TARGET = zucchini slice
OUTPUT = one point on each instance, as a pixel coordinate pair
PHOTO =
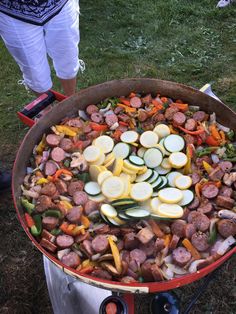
(170, 210)
(103, 176)
(171, 178)
(166, 164)
(141, 151)
(162, 130)
(108, 211)
(92, 188)
(174, 143)
(160, 217)
(122, 150)
(129, 137)
(155, 203)
(154, 177)
(123, 216)
(117, 168)
(178, 160)
(188, 197)
(113, 187)
(183, 182)
(92, 153)
(132, 167)
(148, 139)
(164, 182)
(98, 198)
(157, 184)
(135, 160)
(141, 191)
(105, 143)
(144, 177)
(170, 195)
(137, 213)
(100, 160)
(161, 170)
(94, 171)
(116, 221)
(153, 157)
(123, 201)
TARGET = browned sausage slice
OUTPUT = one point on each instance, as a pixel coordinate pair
(216, 174)
(226, 166)
(50, 223)
(225, 202)
(199, 116)
(199, 241)
(130, 241)
(48, 245)
(75, 186)
(210, 191)
(205, 207)
(189, 230)
(102, 229)
(58, 154)
(81, 237)
(189, 139)
(100, 244)
(53, 140)
(44, 202)
(142, 115)
(66, 144)
(195, 203)
(111, 119)
(169, 113)
(90, 207)
(61, 186)
(190, 125)
(91, 109)
(156, 273)
(159, 245)
(181, 256)
(80, 198)
(71, 260)
(97, 117)
(86, 247)
(195, 178)
(138, 255)
(135, 102)
(201, 222)
(226, 191)
(64, 241)
(226, 228)
(146, 271)
(74, 214)
(50, 168)
(49, 189)
(179, 118)
(174, 242)
(178, 227)
(148, 248)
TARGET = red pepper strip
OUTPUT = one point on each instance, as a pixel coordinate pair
(124, 101)
(78, 144)
(197, 132)
(211, 141)
(117, 135)
(60, 172)
(157, 104)
(86, 270)
(123, 123)
(199, 140)
(98, 127)
(29, 220)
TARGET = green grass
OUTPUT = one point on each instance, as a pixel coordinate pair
(190, 42)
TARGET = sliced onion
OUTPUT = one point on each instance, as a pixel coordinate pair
(29, 170)
(225, 245)
(109, 112)
(212, 118)
(104, 110)
(45, 155)
(222, 127)
(215, 158)
(194, 265)
(176, 269)
(95, 257)
(114, 126)
(167, 273)
(168, 259)
(83, 115)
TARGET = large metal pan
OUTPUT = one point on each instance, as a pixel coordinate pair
(94, 95)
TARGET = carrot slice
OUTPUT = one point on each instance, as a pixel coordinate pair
(195, 254)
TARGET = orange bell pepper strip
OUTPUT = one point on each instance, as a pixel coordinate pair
(116, 135)
(127, 108)
(222, 135)
(59, 172)
(85, 221)
(85, 270)
(125, 101)
(195, 254)
(152, 111)
(198, 188)
(157, 104)
(64, 228)
(123, 123)
(214, 132)
(155, 228)
(98, 127)
(116, 254)
(182, 107)
(167, 239)
(211, 141)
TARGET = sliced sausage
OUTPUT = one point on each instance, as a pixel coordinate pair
(81, 237)
(91, 109)
(58, 154)
(178, 227)
(179, 118)
(138, 255)
(100, 244)
(210, 191)
(199, 161)
(102, 229)
(192, 215)
(120, 245)
(118, 110)
(156, 273)
(145, 235)
(169, 113)
(44, 202)
(189, 230)
(181, 256)
(216, 174)
(75, 186)
(195, 178)
(90, 207)
(185, 213)
(61, 186)
(226, 166)
(174, 242)
(93, 134)
(50, 223)
(86, 248)
(66, 144)
(189, 139)
(125, 230)
(75, 122)
(205, 207)
(71, 260)
(133, 265)
(97, 117)
(146, 271)
(226, 228)
(159, 245)
(49, 189)
(64, 241)
(87, 129)
(80, 198)
(111, 119)
(225, 202)
(101, 273)
(148, 248)
(48, 245)
(199, 116)
(195, 203)
(130, 241)
(199, 241)
(226, 191)
(50, 168)
(135, 102)
(74, 214)
(142, 115)
(190, 125)
(125, 256)
(201, 222)
(158, 117)
(53, 140)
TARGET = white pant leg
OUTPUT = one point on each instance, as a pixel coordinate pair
(26, 44)
(62, 38)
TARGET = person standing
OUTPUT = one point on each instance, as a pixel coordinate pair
(32, 30)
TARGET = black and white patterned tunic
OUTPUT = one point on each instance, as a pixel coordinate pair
(36, 12)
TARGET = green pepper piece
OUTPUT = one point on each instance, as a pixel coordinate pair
(27, 205)
(230, 135)
(206, 151)
(85, 177)
(56, 232)
(37, 228)
(52, 213)
(67, 163)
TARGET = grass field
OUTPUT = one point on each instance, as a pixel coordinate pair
(190, 42)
